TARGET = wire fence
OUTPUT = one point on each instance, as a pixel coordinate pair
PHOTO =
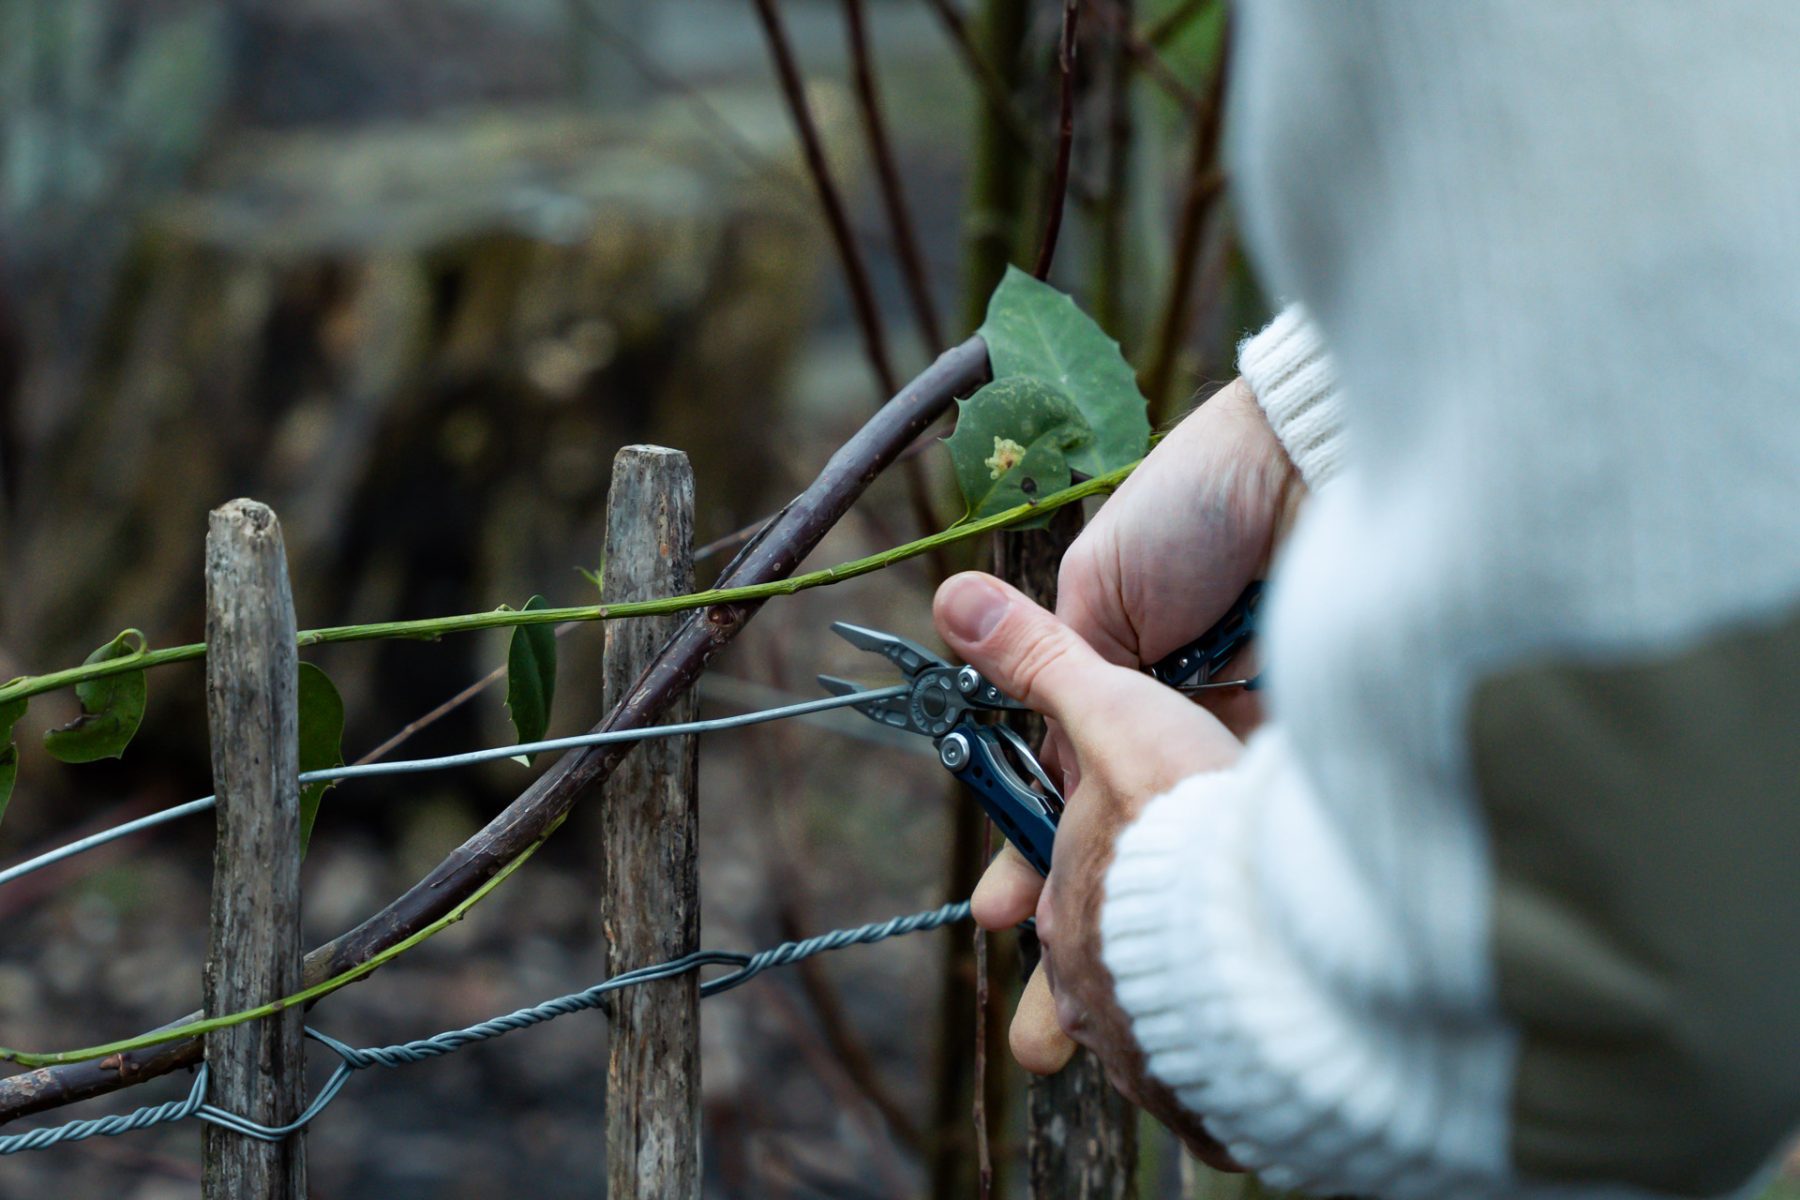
(352, 1059)
(745, 967)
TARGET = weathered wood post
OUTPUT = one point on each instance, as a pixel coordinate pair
(1081, 1135)
(650, 905)
(252, 710)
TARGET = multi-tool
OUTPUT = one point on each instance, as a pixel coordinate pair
(943, 702)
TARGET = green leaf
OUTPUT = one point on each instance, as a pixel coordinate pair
(531, 678)
(1012, 444)
(321, 741)
(112, 707)
(597, 576)
(10, 712)
(1033, 329)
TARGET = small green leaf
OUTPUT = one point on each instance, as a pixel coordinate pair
(10, 712)
(112, 707)
(321, 712)
(531, 678)
(1013, 443)
(597, 576)
(1033, 329)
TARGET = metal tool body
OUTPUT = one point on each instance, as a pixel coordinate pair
(1193, 667)
(944, 702)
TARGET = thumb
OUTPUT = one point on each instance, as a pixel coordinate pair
(1021, 648)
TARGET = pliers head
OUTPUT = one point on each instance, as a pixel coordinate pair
(940, 695)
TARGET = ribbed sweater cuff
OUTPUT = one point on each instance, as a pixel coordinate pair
(1294, 380)
(1227, 1017)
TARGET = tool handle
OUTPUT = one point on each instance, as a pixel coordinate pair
(1206, 654)
(972, 753)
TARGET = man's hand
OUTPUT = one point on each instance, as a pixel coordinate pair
(1161, 561)
(1130, 738)
(1169, 553)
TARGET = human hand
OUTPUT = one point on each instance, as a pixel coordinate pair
(1131, 739)
(1161, 561)
(1167, 555)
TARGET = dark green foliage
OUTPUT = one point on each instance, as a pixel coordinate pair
(321, 713)
(10, 712)
(531, 677)
(112, 707)
(1034, 330)
(1013, 442)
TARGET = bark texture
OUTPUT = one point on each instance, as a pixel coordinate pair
(650, 905)
(1081, 1135)
(256, 1067)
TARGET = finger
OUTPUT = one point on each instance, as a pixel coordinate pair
(1038, 1042)
(1058, 758)
(1008, 891)
(1021, 648)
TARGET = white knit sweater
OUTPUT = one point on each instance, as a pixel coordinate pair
(1555, 251)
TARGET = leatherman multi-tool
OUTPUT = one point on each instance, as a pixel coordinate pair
(943, 702)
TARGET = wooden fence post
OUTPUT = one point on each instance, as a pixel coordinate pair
(255, 956)
(650, 905)
(1081, 1135)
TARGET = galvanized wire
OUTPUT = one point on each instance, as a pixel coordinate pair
(353, 1059)
(448, 761)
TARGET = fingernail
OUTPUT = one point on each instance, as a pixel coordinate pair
(973, 607)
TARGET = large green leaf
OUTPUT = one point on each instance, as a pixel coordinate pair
(531, 677)
(1033, 329)
(10, 712)
(1013, 444)
(321, 714)
(112, 707)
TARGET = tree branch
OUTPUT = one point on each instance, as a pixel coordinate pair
(1205, 184)
(887, 173)
(1065, 140)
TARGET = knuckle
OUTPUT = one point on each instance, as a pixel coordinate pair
(1039, 656)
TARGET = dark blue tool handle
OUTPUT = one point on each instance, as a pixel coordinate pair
(1014, 807)
(1206, 654)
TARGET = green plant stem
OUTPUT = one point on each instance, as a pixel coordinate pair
(305, 996)
(431, 628)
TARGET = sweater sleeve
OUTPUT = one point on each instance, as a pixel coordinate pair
(1295, 381)
(1500, 903)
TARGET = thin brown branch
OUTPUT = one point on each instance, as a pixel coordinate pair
(853, 1057)
(1152, 63)
(984, 1153)
(1205, 184)
(1111, 254)
(856, 271)
(738, 537)
(543, 806)
(1065, 139)
(1000, 102)
(887, 174)
(716, 123)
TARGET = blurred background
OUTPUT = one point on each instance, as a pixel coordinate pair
(410, 273)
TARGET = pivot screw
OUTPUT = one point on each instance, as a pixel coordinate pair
(953, 751)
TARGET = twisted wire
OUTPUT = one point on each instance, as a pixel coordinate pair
(353, 1059)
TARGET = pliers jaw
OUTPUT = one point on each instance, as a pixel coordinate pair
(908, 655)
(941, 702)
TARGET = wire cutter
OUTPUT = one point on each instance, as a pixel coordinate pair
(943, 702)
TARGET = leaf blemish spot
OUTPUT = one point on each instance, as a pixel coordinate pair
(1006, 456)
